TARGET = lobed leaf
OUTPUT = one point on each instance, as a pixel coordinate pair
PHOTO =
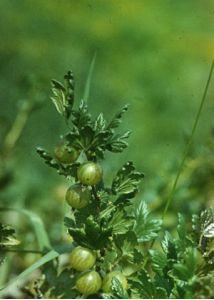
(115, 122)
(159, 260)
(117, 143)
(65, 170)
(7, 236)
(117, 289)
(81, 117)
(89, 234)
(126, 181)
(146, 227)
(183, 241)
(169, 247)
(207, 221)
(63, 95)
(120, 223)
(55, 284)
(100, 123)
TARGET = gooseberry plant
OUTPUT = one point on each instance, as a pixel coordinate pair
(119, 249)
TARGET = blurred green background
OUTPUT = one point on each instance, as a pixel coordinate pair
(154, 55)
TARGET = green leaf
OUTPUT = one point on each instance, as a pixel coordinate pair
(73, 140)
(127, 243)
(77, 233)
(100, 123)
(7, 239)
(63, 96)
(209, 231)
(159, 260)
(117, 143)
(115, 122)
(120, 223)
(181, 272)
(126, 181)
(117, 289)
(181, 228)
(58, 97)
(144, 285)
(7, 236)
(165, 282)
(169, 247)
(89, 233)
(81, 117)
(203, 230)
(183, 240)
(86, 136)
(69, 93)
(97, 146)
(56, 284)
(93, 136)
(185, 270)
(110, 258)
(146, 227)
(106, 213)
(148, 288)
(49, 160)
(161, 293)
(196, 228)
(207, 222)
(89, 77)
(65, 170)
(107, 296)
(97, 236)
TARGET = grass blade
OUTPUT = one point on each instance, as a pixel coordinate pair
(52, 254)
(46, 258)
(169, 201)
(88, 80)
(5, 269)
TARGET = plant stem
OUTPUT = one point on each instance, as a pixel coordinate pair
(189, 142)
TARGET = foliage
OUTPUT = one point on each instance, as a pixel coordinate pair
(120, 228)
(7, 239)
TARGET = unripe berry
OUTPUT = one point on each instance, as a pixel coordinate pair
(78, 196)
(82, 259)
(89, 173)
(89, 283)
(64, 155)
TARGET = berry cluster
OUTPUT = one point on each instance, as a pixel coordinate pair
(89, 282)
(78, 196)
